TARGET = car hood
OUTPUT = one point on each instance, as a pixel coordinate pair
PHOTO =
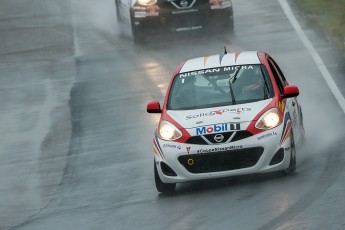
(217, 115)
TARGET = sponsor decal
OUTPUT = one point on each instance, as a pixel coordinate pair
(221, 58)
(215, 4)
(267, 135)
(219, 149)
(140, 14)
(219, 112)
(143, 12)
(184, 11)
(219, 128)
(188, 149)
(188, 28)
(172, 146)
(157, 148)
(219, 4)
(232, 68)
(155, 151)
(205, 60)
(281, 105)
(152, 10)
(236, 56)
(294, 117)
(139, 8)
(215, 70)
(287, 133)
(287, 128)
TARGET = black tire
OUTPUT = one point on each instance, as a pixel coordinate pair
(231, 26)
(138, 37)
(293, 163)
(117, 12)
(228, 26)
(120, 23)
(227, 30)
(163, 187)
(302, 125)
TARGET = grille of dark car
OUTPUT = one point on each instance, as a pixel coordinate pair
(173, 3)
(210, 137)
(221, 161)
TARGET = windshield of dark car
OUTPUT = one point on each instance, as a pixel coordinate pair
(220, 86)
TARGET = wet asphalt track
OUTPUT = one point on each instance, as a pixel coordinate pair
(84, 158)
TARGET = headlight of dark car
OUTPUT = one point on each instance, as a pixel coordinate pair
(146, 2)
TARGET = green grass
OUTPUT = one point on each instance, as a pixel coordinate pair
(327, 15)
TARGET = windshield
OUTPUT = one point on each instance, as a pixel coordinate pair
(220, 86)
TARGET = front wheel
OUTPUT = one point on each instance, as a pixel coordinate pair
(163, 187)
(293, 163)
(138, 37)
(231, 25)
(117, 6)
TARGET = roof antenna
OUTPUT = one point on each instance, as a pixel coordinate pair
(225, 51)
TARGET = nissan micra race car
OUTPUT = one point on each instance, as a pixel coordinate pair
(225, 115)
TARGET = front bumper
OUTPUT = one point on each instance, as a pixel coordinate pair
(179, 162)
(172, 21)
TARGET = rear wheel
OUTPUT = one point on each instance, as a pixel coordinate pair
(163, 187)
(292, 167)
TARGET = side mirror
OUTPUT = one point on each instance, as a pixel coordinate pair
(153, 107)
(291, 91)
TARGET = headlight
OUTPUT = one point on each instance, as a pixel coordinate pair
(168, 131)
(146, 2)
(269, 120)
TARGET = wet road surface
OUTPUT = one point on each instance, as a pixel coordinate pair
(94, 167)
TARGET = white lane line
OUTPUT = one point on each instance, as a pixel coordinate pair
(319, 63)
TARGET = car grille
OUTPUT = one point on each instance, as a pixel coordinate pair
(221, 161)
(200, 140)
(178, 5)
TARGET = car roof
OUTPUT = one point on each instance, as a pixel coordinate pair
(220, 60)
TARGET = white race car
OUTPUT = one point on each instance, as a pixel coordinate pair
(224, 115)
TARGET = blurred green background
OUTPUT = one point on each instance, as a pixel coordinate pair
(328, 16)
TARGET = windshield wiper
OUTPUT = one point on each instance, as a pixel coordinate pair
(231, 90)
(217, 87)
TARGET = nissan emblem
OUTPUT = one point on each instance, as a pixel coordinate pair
(219, 138)
(184, 3)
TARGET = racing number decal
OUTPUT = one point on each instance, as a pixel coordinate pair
(235, 126)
